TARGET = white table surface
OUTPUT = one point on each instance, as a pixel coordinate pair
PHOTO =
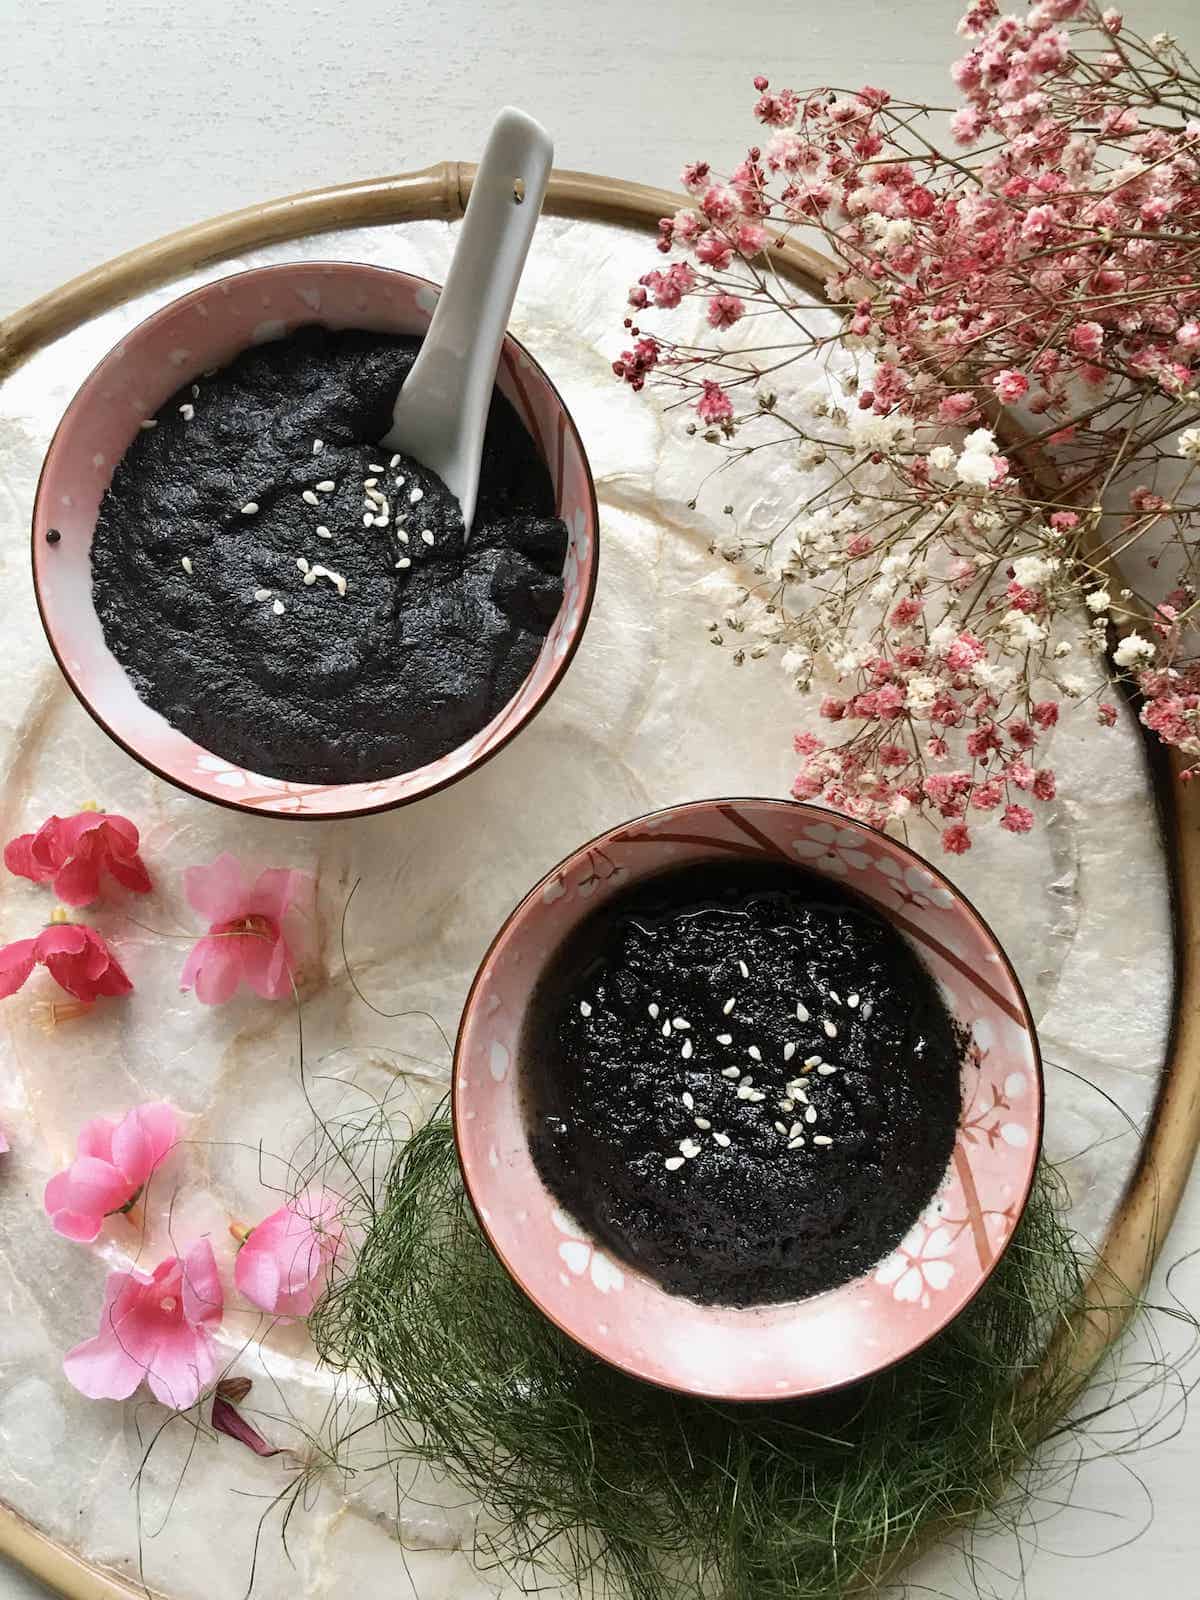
(122, 119)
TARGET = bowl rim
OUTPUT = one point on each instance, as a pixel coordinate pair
(817, 814)
(377, 807)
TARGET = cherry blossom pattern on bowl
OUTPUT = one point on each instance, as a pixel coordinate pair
(807, 1346)
(206, 329)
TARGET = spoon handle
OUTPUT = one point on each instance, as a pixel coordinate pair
(442, 409)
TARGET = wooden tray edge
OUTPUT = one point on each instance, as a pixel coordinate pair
(1152, 1195)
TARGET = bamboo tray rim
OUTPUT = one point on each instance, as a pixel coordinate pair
(1148, 1206)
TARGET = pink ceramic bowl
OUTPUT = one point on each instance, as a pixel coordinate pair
(807, 1346)
(206, 329)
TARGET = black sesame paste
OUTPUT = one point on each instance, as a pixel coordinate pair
(742, 1081)
(299, 602)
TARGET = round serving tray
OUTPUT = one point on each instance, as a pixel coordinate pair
(1144, 1214)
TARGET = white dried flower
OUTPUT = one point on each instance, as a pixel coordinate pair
(1021, 628)
(975, 469)
(1188, 444)
(1033, 571)
(941, 457)
(981, 442)
(1133, 651)
(920, 695)
(1099, 600)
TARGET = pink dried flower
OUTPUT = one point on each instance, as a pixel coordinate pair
(113, 1163)
(1010, 386)
(71, 852)
(246, 940)
(1017, 819)
(1087, 338)
(714, 405)
(724, 310)
(956, 839)
(155, 1326)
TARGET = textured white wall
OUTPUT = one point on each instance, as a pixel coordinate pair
(123, 119)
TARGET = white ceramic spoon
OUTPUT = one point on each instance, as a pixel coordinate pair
(442, 408)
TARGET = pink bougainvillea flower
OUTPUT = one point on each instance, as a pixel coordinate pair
(113, 1163)
(283, 1264)
(71, 853)
(75, 956)
(245, 942)
(156, 1326)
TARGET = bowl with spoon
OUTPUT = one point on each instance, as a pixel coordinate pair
(466, 359)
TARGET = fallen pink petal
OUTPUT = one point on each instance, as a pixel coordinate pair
(155, 1327)
(113, 1163)
(246, 940)
(284, 1263)
(226, 1418)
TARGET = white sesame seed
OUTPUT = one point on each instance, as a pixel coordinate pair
(729, 1072)
(318, 446)
(852, 1001)
(263, 594)
(414, 495)
(150, 422)
(426, 537)
(399, 482)
(722, 1139)
(789, 1050)
(755, 1095)
(327, 486)
(186, 563)
(744, 1093)
(302, 563)
(796, 1129)
(373, 466)
(370, 483)
(382, 520)
(279, 608)
(822, 1138)
(688, 1148)
(309, 498)
(702, 1123)
(666, 1029)
(728, 1006)
(747, 1080)
(686, 1052)
(250, 508)
(867, 1008)
(681, 1023)
(787, 1105)
(754, 1053)
(825, 1069)
(323, 532)
(403, 563)
(801, 1012)
(795, 1144)
(394, 462)
(187, 412)
(724, 1038)
(688, 1101)
(653, 1009)
(673, 1163)
(743, 969)
(835, 997)
(810, 1115)
(802, 1097)
(401, 535)
(335, 578)
(195, 391)
(585, 1010)
(811, 1061)
(830, 1028)
(781, 1127)
(368, 519)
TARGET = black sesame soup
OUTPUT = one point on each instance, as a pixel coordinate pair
(742, 1081)
(302, 603)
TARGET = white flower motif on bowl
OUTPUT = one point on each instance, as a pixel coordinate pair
(830, 849)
